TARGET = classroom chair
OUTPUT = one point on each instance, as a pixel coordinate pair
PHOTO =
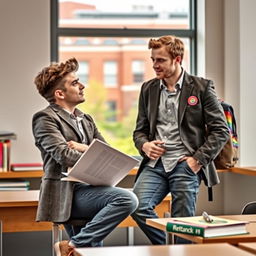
(249, 208)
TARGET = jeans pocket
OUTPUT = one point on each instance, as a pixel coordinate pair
(189, 170)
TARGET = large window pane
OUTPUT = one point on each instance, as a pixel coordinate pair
(83, 72)
(110, 41)
(120, 13)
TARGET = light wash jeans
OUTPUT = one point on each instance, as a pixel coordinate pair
(106, 207)
(153, 185)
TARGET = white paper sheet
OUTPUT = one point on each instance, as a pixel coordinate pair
(101, 164)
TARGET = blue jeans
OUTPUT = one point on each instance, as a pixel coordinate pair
(154, 184)
(106, 207)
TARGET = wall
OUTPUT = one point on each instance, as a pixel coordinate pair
(240, 91)
(25, 48)
(214, 51)
(210, 65)
(226, 54)
(230, 54)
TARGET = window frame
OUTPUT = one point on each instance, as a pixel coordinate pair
(57, 32)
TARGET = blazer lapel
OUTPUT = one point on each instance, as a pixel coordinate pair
(185, 93)
(64, 115)
(153, 104)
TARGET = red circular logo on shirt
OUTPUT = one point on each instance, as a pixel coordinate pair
(192, 100)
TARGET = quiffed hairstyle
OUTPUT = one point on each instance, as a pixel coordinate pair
(174, 45)
(51, 78)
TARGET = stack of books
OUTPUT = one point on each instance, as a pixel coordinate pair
(5, 135)
(5, 148)
(198, 226)
(6, 185)
(22, 167)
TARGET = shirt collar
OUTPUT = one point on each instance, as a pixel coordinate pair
(76, 115)
(178, 84)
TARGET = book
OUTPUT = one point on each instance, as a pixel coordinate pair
(6, 155)
(27, 166)
(5, 148)
(13, 188)
(1, 156)
(16, 183)
(6, 185)
(197, 226)
(102, 165)
(6, 135)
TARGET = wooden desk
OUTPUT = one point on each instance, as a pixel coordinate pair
(18, 212)
(250, 171)
(165, 250)
(250, 247)
(251, 227)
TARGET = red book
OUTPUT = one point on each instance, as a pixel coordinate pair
(1, 156)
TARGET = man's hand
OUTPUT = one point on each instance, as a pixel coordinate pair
(154, 149)
(78, 146)
(192, 163)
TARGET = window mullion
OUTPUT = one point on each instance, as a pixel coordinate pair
(84, 32)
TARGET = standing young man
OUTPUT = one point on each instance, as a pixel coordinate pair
(62, 133)
(180, 129)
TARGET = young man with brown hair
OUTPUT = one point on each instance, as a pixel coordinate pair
(180, 129)
(62, 133)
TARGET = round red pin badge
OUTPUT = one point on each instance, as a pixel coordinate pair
(192, 100)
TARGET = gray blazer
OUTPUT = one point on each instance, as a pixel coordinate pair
(202, 126)
(52, 128)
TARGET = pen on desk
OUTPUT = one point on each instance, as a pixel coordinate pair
(207, 218)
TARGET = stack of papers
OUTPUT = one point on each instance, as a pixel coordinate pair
(101, 165)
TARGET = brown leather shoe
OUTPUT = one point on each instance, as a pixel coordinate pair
(63, 248)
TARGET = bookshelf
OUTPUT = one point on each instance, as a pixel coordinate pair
(16, 175)
(36, 175)
(39, 174)
(33, 177)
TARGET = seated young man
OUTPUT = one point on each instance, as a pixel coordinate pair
(62, 133)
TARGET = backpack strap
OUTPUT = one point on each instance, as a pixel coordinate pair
(231, 121)
(234, 129)
(210, 195)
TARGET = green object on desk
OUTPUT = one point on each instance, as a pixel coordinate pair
(197, 226)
